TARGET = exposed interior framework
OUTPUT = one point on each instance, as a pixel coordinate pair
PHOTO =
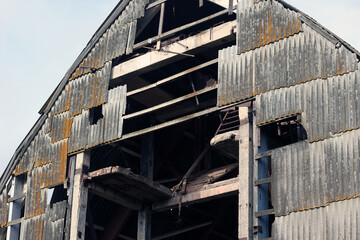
(171, 146)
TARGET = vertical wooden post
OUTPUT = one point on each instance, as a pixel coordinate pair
(161, 22)
(79, 198)
(245, 191)
(146, 170)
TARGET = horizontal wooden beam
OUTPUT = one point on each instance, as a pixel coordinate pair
(179, 29)
(150, 5)
(263, 154)
(14, 222)
(263, 181)
(264, 213)
(172, 78)
(212, 191)
(169, 103)
(12, 199)
(116, 197)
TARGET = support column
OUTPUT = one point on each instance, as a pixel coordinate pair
(146, 170)
(80, 197)
(245, 176)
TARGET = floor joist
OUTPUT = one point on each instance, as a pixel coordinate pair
(213, 191)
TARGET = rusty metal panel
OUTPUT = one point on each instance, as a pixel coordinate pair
(327, 106)
(340, 220)
(32, 228)
(118, 38)
(311, 175)
(110, 126)
(35, 201)
(264, 23)
(60, 127)
(300, 58)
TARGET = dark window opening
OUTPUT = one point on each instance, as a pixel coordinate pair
(96, 114)
(284, 132)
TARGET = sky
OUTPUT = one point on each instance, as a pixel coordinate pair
(40, 39)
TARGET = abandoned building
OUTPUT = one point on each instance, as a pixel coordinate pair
(195, 119)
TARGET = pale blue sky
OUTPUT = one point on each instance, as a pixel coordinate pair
(39, 40)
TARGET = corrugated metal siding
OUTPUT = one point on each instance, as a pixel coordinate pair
(54, 219)
(264, 23)
(340, 220)
(78, 138)
(117, 40)
(90, 90)
(60, 127)
(110, 126)
(303, 57)
(327, 106)
(309, 175)
(32, 228)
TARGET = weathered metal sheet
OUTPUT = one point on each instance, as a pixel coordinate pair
(90, 90)
(60, 127)
(264, 23)
(62, 104)
(78, 137)
(110, 126)
(310, 175)
(32, 228)
(118, 39)
(300, 58)
(340, 220)
(54, 218)
(327, 106)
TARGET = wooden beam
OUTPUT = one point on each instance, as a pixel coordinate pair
(179, 29)
(14, 211)
(80, 197)
(19, 196)
(172, 78)
(262, 181)
(161, 23)
(115, 197)
(154, 59)
(155, 4)
(169, 103)
(244, 174)
(212, 191)
(146, 170)
(264, 213)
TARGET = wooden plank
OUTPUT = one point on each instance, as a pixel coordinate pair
(22, 195)
(264, 213)
(80, 197)
(14, 222)
(169, 103)
(179, 29)
(151, 5)
(262, 181)
(161, 23)
(212, 191)
(172, 78)
(263, 154)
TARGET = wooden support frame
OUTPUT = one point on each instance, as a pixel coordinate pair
(14, 215)
(172, 78)
(79, 197)
(212, 191)
(169, 103)
(179, 29)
